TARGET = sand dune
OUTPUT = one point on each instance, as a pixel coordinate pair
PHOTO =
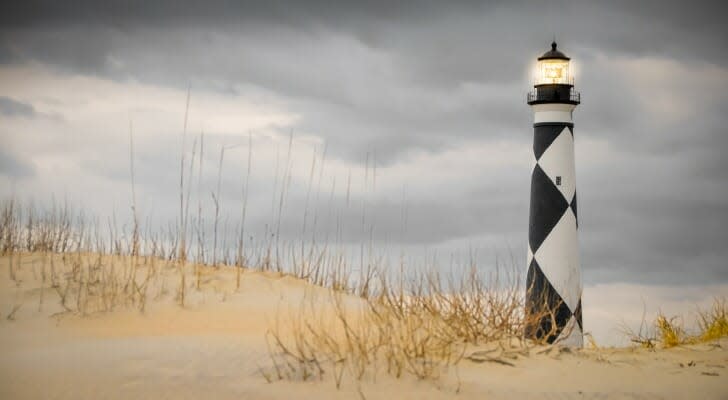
(214, 347)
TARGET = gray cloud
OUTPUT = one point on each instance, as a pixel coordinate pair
(398, 80)
(405, 68)
(14, 108)
(15, 167)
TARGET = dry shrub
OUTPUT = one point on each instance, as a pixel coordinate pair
(357, 342)
(420, 329)
(477, 310)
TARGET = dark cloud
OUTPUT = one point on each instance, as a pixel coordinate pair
(648, 27)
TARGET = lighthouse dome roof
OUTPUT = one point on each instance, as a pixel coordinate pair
(553, 54)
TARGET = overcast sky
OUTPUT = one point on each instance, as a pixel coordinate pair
(415, 115)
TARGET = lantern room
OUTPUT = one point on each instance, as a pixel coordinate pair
(554, 80)
(553, 68)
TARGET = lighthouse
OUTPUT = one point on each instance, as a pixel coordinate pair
(553, 282)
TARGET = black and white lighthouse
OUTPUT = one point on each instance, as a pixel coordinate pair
(553, 293)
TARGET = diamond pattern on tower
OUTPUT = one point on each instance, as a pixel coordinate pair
(557, 161)
(554, 275)
(558, 258)
(545, 136)
(547, 207)
(529, 257)
(546, 306)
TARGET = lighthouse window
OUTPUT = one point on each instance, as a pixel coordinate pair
(558, 181)
(553, 72)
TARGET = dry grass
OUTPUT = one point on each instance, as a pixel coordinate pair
(713, 323)
(417, 327)
(667, 332)
(417, 324)
(358, 341)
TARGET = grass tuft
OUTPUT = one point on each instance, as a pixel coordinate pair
(712, 324)
(670, 332)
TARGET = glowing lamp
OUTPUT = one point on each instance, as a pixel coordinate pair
(553, 71)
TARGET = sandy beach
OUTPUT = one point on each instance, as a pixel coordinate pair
(214, 347)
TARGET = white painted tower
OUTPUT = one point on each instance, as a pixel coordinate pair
(553, 293)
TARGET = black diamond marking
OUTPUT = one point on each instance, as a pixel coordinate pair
(577, 315)
(542, 303)
(573, 208)
(571, 130)
(547, 207)
(543, 136)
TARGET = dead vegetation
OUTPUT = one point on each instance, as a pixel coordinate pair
(666, 332)
(357, 341)
(421, 327)
(414, 324)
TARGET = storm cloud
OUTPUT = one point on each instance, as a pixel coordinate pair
(432, 93)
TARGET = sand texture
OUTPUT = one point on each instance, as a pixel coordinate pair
(213, 346)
